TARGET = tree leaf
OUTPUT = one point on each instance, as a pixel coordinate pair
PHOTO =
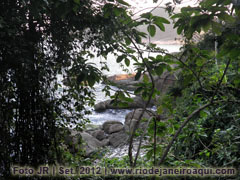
(160, 26)
(160, 110)
(138, 75)
(117, 11)
(147, 15)
(208, 3)
(123, 2)
(145, 78)
(81, 77)
(217, 28)
(138, 90)
(127, 61)
(120, 58)
(234, 53)
(77, 1)
(180, 29)
(152, 30)
(161, 20)
(159, 70)
(206, 26)
(127, 41)
(226, 17)
(91, 81)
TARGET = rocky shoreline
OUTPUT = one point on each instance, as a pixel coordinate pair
(112, 133)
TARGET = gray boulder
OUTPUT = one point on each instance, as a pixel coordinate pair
(91, 143)
(118, 138)
(101, 106)
(74, 142)
(138, 102)
(164, 82)
(105, 142)
(99, 134)
(132, 118)
(124, 81)
(106, 125)
(115, 128)
(128, 82)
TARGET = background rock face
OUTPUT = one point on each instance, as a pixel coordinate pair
(133, 117)
(162, 83)
(138, 102)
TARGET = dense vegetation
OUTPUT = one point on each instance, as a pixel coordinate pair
(42, 40)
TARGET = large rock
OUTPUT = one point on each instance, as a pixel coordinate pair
(92, 144)
(164, 82)
(107, 126)
(138, 102)
(99, 134)
(105, 142)
(115, 128)
(135, 114)
(101, 106)
(128, 82)
(124, 81)
(76, 141)
(118, 138)
(132, 118)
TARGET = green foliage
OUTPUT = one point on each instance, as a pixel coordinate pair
(210, 137)
(42, 42)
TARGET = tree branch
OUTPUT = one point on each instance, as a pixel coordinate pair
(180, 130)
